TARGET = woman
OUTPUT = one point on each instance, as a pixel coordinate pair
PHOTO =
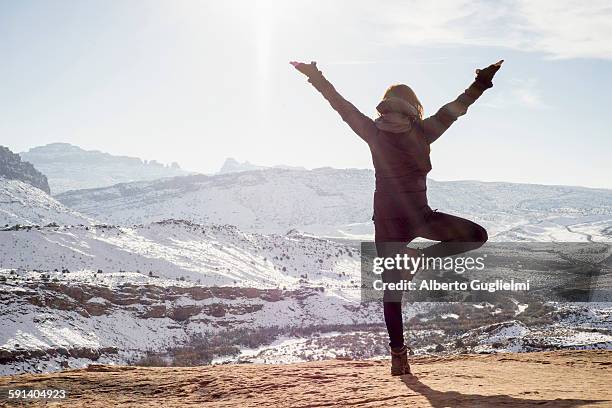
(399, 141)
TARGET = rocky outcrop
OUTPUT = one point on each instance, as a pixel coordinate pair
(12, 168)
(89, 353)
(151, 301)
(70, 310)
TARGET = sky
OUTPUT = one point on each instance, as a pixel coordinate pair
(199, 81)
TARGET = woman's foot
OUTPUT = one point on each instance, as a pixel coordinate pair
(399, 361)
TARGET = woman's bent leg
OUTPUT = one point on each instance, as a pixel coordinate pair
(456, 235)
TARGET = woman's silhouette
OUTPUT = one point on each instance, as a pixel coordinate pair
(399, 141)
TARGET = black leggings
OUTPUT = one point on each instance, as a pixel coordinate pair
(456, 235)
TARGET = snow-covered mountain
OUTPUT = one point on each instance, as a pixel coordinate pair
(69, 167)
(338, 202)
(21, 203)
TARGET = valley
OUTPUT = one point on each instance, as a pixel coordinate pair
(258, 266)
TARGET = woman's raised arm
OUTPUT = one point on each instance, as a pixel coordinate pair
(434, 126)
(360, 123)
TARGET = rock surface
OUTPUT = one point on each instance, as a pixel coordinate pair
(555, 379)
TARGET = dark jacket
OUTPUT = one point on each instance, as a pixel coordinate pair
(401, 161)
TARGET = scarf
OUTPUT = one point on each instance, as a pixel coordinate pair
(396, 115)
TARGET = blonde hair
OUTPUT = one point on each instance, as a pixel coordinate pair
(405, 93)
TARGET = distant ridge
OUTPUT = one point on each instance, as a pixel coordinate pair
(69, 167)
(232, 165)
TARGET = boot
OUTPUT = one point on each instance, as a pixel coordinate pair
(399, 361)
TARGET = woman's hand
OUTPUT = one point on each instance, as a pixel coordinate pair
(485, 76)
(307, 69)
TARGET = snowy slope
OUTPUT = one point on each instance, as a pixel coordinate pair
(267, 200)
(211, 254)
(338, 202)
(20, 203)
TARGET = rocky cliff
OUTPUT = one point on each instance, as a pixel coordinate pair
(12, 168)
